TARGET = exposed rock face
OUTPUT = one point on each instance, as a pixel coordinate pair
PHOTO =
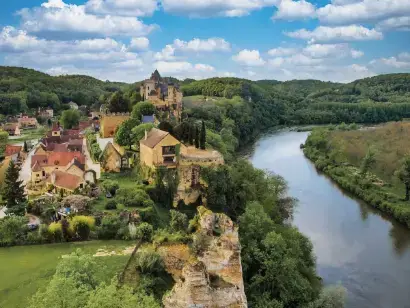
(214, 278)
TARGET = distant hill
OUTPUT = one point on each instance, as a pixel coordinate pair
(22, 89)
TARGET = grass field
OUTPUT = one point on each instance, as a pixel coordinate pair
(28, 134)
(25, 269)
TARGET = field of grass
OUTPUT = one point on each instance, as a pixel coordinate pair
(25, 269)
(28, 134)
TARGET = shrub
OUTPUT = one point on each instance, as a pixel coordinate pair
(144, 232)
(164, 236)
(55, 232)
(110, 186)
(111, 205)
(132, 197)
(82, 226)
(132, 231)
(110, 225)
(149, 262)
(80, 203)
(13, 230)
(178, 222)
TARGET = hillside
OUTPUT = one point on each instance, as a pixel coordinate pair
(22, 89)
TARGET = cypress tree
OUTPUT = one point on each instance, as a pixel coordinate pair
(191, 134)
(196, 137)
(202, 140)
(25, 147)
(13, 191)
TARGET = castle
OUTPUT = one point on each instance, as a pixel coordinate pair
(165, 96)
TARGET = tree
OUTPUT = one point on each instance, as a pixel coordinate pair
(124, 135)
(4, 136)
(330, 297)
(403, 173)
(49, 122)
(202, 140)
(25, 147)
(197, 137)
(368, 162)
(141, 109)
(70, 118)
(13, 191)
(13, 230)
(139, 132)
(191, 135)
(118, 103)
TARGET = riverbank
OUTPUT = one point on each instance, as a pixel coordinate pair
(330, 158)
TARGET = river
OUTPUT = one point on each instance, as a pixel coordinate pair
(356, 246)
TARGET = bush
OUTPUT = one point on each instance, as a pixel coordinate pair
(80, 203)
(55, 232)
(13, 230)
(149, 262)
(110, 186)
(82, 226)
(132, 197)
(164, 236)
(110, 225)
(132, 231)
(178, 222)
(144, 232)
(111, 205)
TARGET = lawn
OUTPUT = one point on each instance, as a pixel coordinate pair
(28, 134)
(24, 269)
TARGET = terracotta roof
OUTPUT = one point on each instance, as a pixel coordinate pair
(71, 132)
(12, 149)
(154, 137)
(57, 147)
(57, 158)
(76, 162)
(65, 180)
(36, 167)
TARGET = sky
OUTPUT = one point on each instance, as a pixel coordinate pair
(125, 40)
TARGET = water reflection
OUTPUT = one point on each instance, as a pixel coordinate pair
(355, 244)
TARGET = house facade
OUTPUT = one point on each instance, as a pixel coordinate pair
(110, 122)
(12, 129)
(114, 158)
(27, 122)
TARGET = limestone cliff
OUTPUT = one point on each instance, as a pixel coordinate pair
(213, 278)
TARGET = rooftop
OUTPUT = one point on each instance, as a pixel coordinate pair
(154, 137)
(12, 149)
(65, 180)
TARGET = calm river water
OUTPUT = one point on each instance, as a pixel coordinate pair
(369, 254)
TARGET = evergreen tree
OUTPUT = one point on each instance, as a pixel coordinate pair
(196, 137)
(403, 173)
(202, 140)
(13, 191)
(25, 147)
(191, 134)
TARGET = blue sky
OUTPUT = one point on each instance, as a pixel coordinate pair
(125, 40)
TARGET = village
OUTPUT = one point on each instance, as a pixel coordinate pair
(75, 161)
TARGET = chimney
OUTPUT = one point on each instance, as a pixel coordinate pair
(146, 135)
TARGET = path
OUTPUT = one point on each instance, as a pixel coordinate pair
(25, 171)
(89, 162)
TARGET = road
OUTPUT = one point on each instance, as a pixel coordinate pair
(89, 162)
(25, 171)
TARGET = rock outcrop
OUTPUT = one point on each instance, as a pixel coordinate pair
(213, 278)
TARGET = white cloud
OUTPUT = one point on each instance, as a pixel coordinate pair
(282, 51)
(331, 51)
(393, 62)
(294, 61)
(139, 43)
(338, 34)
(404, 56)
(395, 23)
(249, 58)
(363, 11)
(183, 69)
(343, 2)
(167, 53)
(207, 8)
(57, 17)
(133, 8)
(208, 45)
(292, 10)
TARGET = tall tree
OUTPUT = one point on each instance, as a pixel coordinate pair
(118, 102)
(368, 162)
(197, 137)
(191, 135)
(25, 147)
(13, 191)
(403, 173)
(202, 140)
(124, 135)
(143, 109)
(70, 118)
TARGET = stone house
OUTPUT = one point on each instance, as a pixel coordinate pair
(27, 122)
(110, 122)
(114, 158)
(66, 181)
(12, 129)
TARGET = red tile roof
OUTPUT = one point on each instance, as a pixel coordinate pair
(12, 149)
(36, 167)
(57, 158)
(65, 180)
